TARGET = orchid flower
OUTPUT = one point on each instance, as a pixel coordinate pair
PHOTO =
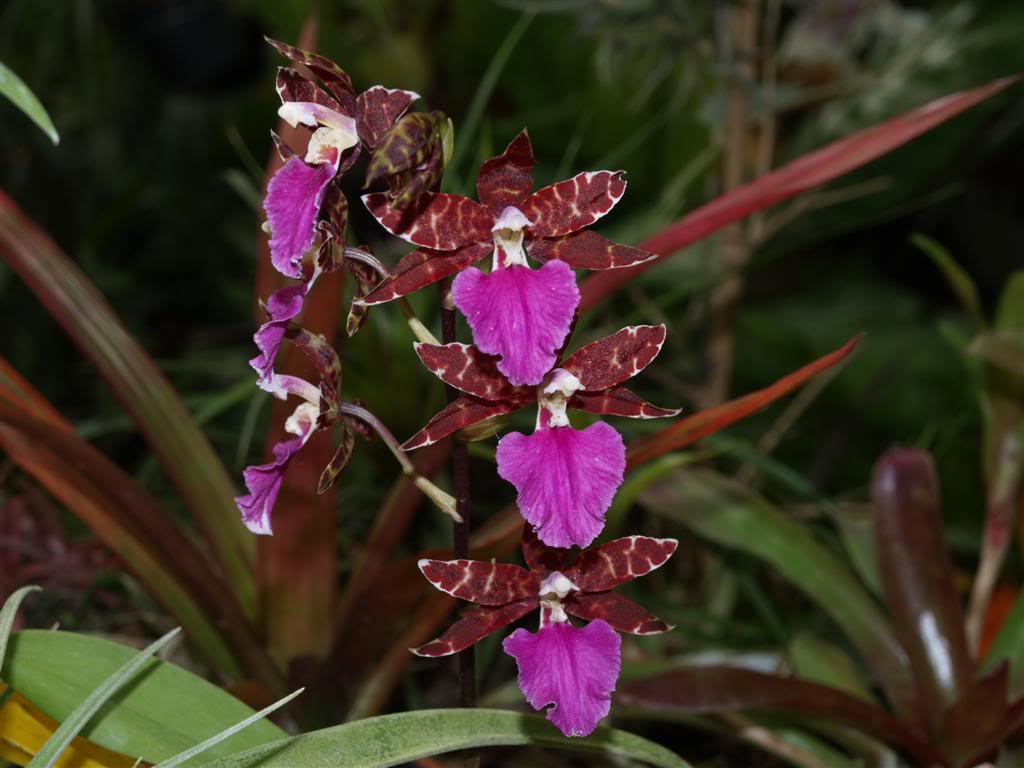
(574, 669)
(343, 124)
(520, 314)
(565, 478)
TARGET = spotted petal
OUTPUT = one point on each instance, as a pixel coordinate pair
(619, 401)
(459, 414)
(437, 220)
(481, 582)
(377, 109)
(293, 201)
(566, 479)
(423, 267)
(506, 179)
(587, 250)
(571, 205)
(465, 367)
(573, 669)
(475, 625)
(609, 565)
(616, 358)
(522, 315)
(620, 612)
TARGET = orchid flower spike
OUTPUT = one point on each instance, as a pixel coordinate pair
(575, 669)
(565, 478)
(519, 314)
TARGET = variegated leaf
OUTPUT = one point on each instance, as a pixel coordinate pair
(423, 267)
(377, 109)
(586, 250)
(621, 612)
(616, 358)
(459, 414)
(437, 220)
(538, 556)
(475, 625)
(573, 204)
(480, 582)
(330, 74)
(619, 401)
(340, 459)
(506, 179)
(601, 568)
(465, 367)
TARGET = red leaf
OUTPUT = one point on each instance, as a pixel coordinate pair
(707, 690)
(619, 401)
(475, 625)
(978, 722)
(329, 73)
(810, 170)
(616, 358)
(506, 179)
(621, 612)
(437, 220)
(465, 367)
(480, 582)
(377, 109)
(601, 568)
(690, 429)
(587, 250)
(538, 556)
(918, 578)
(423, 267)
(461, 413)
(573, 204)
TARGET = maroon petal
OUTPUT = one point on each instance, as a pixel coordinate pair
(329, 73)
(506, 179)
(474, 626)
(377, 109)
(602, 568)
(619, 401)
(292, 86)
(538, 556)
(616, 358)
(423, 267)
(571, 205)
(480, 582)
(621, 612)
(437, 220)
(459, 414)
(587, 250)
(293, 200)
(465, 367)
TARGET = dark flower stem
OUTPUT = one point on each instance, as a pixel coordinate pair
(460, 473)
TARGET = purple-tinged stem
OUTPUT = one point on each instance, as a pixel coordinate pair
(460, 474)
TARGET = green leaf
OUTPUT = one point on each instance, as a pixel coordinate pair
(14, 88)
(7, 614)
(378, 742)
(734, 517)
(964, 288)
(821, 662)
(227, 733)
(164, 712)
(1010, 312)
(73, 724)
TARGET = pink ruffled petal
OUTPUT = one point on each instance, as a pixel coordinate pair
(521, 314)
(293, 201)
(566, 479)
(282, 306)
(573, 669)
(263, 482)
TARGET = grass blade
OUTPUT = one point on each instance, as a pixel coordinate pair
(7, 614)
(78, 719)
(213, 741)
(14, 88)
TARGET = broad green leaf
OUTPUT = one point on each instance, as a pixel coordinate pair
(164, 712)
(7, 614)
(227, 733)
(733, 516)
(1010, 312)
(378, 742)
(14, 88)
(821, 662)
(143, 390)
(79, 717)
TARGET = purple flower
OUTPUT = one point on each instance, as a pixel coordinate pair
(283, 306)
